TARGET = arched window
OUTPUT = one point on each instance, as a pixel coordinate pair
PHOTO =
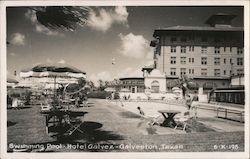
(155, 86)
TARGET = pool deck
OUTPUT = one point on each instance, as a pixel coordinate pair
(110, 124)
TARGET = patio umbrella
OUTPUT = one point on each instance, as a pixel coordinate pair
(124, 90)
(11, 81)
(109, 89)
(54, 70)
(175, 88)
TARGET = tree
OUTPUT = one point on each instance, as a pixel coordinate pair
(101, 85)
(91, 84)
(185, 84)
(64, 17)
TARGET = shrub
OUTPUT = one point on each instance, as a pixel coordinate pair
(99, 94)
(9, 100)
(22, 94)
(27, 96)
(117, 96)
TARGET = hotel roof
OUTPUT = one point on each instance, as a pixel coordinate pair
(197, 28)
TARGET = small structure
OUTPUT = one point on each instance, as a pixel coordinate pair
(133, 84)
(230, 95)
(156, 81)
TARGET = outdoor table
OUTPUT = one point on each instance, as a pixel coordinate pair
(59, 115)
(169, 119)
(63, 117)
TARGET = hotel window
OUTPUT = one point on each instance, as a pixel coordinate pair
(231, 62)
(191, 48)
(191, 71)
(173, 71)
(183, 39)
(240, 61)
(203, 72)
(203, 60)
(140, 89)
(217, 72)
(217, 50)
(183, 49)
(225, 60)
(204, 39)
(225, 49)
(191, 60)
(173, 39)
(231, 49)
(239, 51)
(173, 48)
(240, 72)
(225, 72)
(183, 60)
(216, 61)
(203, 49)
(216, 40)
(183, 71)
(191, 37)
(173, 60)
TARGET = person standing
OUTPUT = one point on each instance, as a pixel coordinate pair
(141, 111)
(188, 101)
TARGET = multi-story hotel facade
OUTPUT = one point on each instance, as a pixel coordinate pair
(209, 55)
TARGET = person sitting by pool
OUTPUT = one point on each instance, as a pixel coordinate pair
(15, 103)
(195, 100)
(188, 101)
(141, 111)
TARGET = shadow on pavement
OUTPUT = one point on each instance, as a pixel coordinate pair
(10, 123)
(128, 114)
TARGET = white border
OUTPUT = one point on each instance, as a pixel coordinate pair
(210, 155)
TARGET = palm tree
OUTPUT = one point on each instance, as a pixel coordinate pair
(185, 84)
(64, 17)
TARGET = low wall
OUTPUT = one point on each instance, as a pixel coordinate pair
(143, 96)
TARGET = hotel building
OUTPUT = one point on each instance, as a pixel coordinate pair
(209, 55)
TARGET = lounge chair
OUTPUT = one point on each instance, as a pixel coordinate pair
(182, 120)
(75, 125)
(45, 107)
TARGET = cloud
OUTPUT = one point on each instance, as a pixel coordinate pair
(61, 61)
(149, 62)
(104, 76)
(31, 15)
(121, 15)
(130, 72)
(49, 60)
(102, 20)
(135, 46)
(18, 39)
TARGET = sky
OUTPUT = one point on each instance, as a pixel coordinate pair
(118, 34)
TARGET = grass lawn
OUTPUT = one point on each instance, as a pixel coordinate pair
(109, 125)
